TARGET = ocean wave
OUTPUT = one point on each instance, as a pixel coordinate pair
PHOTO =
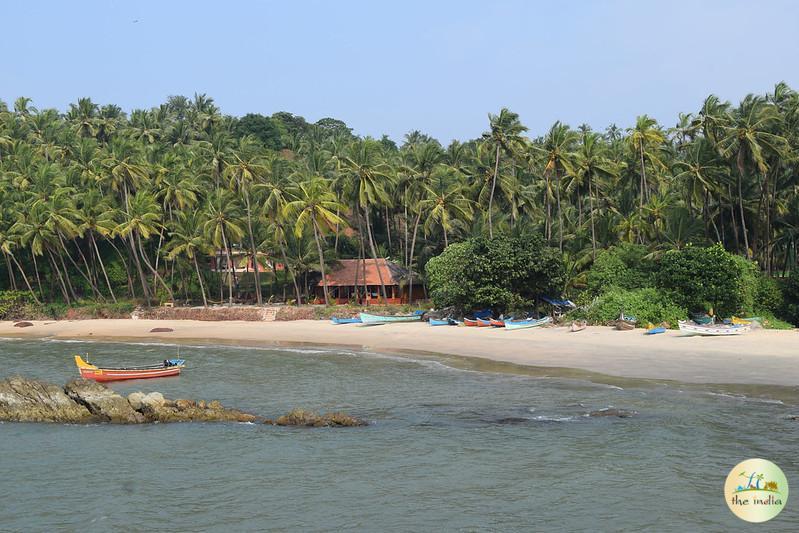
(552, 418)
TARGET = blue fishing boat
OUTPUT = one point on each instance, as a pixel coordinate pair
(353, 320)
(442, 322)
(529, 323)
(651, 329)
(367, 318)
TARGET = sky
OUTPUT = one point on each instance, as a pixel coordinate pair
(396, 66)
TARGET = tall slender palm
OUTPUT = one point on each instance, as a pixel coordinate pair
(557, 150)
(505, 133)
(315, 205)
(644, 141)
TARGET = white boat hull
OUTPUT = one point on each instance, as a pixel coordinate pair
(714, 330)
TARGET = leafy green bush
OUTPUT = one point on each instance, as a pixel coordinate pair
(698, 279)
(768, 295)
(646, 305)
(623, 266)
(504, 273)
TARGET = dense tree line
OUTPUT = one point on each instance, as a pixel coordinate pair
(99, 204)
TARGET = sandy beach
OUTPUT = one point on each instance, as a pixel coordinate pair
(762, 357)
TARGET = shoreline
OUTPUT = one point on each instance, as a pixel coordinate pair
(762, 357)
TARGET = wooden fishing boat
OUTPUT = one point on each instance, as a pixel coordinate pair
(470, 322)
(483, 322)
(442, 322)
(524, 324)
(353, 320)
(745, 321)
(652, 329)
(367, 318)
(625, 322)
(713, 330)
(170, 367)
(578, 325)
(497, 323)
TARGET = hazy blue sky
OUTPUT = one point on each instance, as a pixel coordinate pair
(393, 66)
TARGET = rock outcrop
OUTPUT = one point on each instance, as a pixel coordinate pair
(301, 417)
(83, 401)
(103, 403)
(27, 400)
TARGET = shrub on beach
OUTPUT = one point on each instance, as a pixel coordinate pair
(700, 278)
(624, 266)
(646, 305)
(503, 273)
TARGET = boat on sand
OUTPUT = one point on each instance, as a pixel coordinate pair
(367, 318)
(714, 330)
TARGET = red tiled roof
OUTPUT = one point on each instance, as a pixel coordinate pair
(345, 270)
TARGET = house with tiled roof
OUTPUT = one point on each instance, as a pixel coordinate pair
(358, 281)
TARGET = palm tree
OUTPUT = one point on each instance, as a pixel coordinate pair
(369, 176)
(315, 205)
(591, 167)
(186, 238)
(445, 203)
(556, 148)
(222, 228)
(505, 134)
(644, 140)
(748, 139)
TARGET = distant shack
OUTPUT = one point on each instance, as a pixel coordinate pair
(347, 278)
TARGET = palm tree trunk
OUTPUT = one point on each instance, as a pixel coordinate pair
(11, 281)
(154, 271)
(548, 221)
(200, 279)
(25, 279)
(58, 275)
(288, 268)
(491, 196)
(743, 218)
(102, 266)
(321, 261)
(125, 266)
(374, 254)
(91, 283)
(36, 270)
(66, 276)
(413, 246)
(139, 269)
(388, 230)
(560, 213)
(231, 268)
(593, 230)
(258, 296)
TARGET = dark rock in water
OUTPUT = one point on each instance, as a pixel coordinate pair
(105, 404)
(161, 330)
(510, 420)
(23, 324)
(301, 417)
(28, 400)
(618, 413)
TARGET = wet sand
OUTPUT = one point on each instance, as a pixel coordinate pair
(761, 357)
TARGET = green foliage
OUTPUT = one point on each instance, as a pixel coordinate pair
(623, 266)
(768, 295)
(646, 305)
(504, 273)
(699, 279)
(262, 128)
(790, 292)
(12, 303)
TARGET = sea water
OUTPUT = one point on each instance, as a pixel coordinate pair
(447, 449)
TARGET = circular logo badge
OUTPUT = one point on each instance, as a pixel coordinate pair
(756, 490)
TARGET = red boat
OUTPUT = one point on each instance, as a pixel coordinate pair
(170, 367)
(483, 322)
(497, 323)
(470, 322)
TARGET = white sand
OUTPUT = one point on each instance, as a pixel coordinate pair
(759, 357)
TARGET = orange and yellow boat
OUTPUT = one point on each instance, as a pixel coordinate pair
(169, 367)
